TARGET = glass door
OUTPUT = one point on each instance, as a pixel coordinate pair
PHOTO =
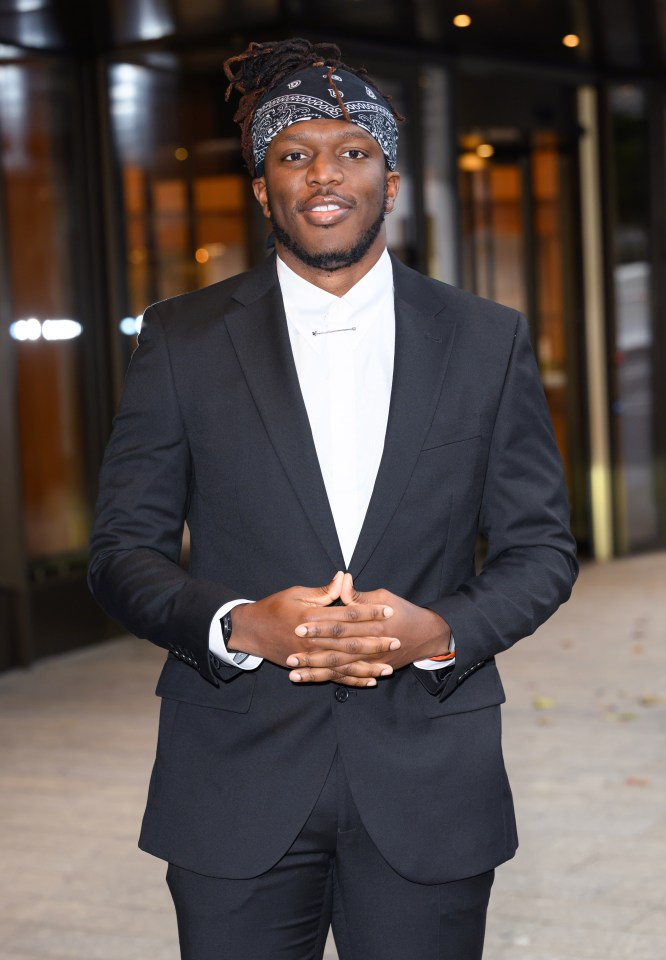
(518, 241)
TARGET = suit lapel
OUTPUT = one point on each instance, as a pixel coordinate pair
(258, 329)
(423, 341)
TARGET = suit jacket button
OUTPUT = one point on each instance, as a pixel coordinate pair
(341, 695)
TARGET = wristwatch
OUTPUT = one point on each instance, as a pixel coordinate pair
(237, 657)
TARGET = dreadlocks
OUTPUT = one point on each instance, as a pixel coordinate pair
(263, 66)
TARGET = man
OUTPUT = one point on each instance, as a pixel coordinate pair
(330, 752)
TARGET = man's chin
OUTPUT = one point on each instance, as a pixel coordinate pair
(329, 260)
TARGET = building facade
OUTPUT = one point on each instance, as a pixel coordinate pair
(533, 163)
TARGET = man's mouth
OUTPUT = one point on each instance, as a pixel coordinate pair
(324, 207)
(326, 211)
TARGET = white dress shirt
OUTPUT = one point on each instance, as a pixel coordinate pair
(343, 350)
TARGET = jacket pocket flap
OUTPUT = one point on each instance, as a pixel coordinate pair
(453, 431)
(180, 682)
(482, 689)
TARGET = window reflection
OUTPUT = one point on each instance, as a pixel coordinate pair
(632, 382)
(185, 196)
(35, 117)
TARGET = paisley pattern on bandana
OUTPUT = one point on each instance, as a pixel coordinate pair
(282, 109)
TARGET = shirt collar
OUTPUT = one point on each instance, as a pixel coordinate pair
(306, 304)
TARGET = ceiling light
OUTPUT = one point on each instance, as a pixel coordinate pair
(462, 20)
(571, 40)
(485, 150)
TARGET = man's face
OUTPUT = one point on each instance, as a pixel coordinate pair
(325, 190)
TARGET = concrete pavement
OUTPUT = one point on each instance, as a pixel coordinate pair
(585, 738)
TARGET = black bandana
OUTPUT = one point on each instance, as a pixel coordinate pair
(307, 95)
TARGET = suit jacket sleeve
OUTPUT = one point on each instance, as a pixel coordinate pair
(135, 546)
(530, 566)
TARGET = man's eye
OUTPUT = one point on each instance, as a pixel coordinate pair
(354, 154)
(294, 155)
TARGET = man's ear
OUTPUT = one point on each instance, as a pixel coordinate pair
(261, 193)
(392, 187)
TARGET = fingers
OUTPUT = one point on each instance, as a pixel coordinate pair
(348, 593)
(324, 638)
(323, 596)
(356, 674)
(350, 661)
(339, 621)
(314, 676)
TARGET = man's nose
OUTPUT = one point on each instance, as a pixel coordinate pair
(324, 168)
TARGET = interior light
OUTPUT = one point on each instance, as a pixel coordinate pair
(471, 162)
(126, 73)
(131, 326)
(462, 20)
(571, 40)
(32, 329)
(201, 256)
(125, 82)
(61, 329)
(123, 91)
(485, 150)
(26, 329)
(152, 21)
(181, 153)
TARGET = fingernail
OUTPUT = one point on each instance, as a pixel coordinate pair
(386, 672)
(394, 644)
(371, 683)
(301, 631)
(388, 611)
(295, 677)
(292, 661)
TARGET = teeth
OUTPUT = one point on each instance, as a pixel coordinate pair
(325, 208)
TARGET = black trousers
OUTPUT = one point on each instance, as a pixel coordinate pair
(333, 875)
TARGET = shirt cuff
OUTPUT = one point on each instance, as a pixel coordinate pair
(439, 664)
(216, 643)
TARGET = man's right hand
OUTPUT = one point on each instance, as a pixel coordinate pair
(266, 629)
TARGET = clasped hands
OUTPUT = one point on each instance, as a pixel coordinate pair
(370, 635)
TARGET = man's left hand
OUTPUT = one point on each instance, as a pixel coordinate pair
(422, 633)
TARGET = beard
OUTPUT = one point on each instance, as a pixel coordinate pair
(330, 260)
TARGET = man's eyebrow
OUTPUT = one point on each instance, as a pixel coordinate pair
(299, 137)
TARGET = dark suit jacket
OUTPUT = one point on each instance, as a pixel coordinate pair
(212, 429)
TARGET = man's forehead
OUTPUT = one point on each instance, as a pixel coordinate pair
(316, 128)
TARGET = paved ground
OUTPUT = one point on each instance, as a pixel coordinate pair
(585, 738)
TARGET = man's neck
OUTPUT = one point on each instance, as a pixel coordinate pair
(336, 282)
